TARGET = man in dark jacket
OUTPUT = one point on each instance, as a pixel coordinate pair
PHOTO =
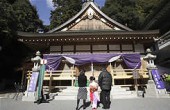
(105, 83)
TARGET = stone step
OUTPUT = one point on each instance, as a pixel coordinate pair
(112, 93)
(72, 88)
(70, 93)
(67, 90)
(7, 95)
(118, 90)
(65, 97)
(71, 97)
(164, 96)
(121, 93)
(116, 87)
(68, 98)
(67, 94)
(124, 96)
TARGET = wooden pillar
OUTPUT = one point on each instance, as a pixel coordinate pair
(136, 85)
(108, 48)
(28, 79)
(111, 72)
(50, 82)
(91, 48)
(92, 70)
(23, 75)
(133, 46)
(120, 47)
(74, 48)
(72, 76)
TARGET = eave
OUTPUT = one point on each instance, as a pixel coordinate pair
(86, 36)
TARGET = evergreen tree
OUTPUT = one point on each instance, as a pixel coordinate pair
(7, 20)
(12, 52)
(65, 9)
(27, 16)
(129, 12)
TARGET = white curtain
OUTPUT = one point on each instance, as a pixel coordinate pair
(114, 58)
(71, 60)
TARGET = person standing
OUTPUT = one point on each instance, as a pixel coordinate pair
(82, 91)
(94, 97)
(105, 83)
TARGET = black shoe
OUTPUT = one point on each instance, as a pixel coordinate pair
(38, 101)
(105, 107)
(44, 101)
(77, 108)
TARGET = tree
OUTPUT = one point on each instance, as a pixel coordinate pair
(7, 35)
(12, 52)
(7, 20)
(27, 16)
(65, 9)
(129, 12)
(7, 24)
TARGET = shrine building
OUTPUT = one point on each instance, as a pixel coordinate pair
(91, 40)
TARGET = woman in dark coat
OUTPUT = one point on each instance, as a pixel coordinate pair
(82, 91)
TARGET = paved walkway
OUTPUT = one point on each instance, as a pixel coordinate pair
(117, 104)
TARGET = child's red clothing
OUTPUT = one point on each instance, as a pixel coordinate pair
(91, 95)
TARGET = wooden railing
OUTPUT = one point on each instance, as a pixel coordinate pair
(128, 73)
(60, 75)
(70, 75)
(56, 75)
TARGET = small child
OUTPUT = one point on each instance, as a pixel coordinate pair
(95, 100)
(94, 97)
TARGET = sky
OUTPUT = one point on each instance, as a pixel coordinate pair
(45, 6)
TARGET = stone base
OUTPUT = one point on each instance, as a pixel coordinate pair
(151, 89)
(162, 93)
(29, 96)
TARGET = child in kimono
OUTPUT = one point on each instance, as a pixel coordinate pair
(94, 97)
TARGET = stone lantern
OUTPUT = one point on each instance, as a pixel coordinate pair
(150, 59)
(36, 61)
(154, 88)
(30, 93)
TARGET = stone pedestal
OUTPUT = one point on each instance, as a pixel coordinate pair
(151, 89)
(162, 93)
(29, 96)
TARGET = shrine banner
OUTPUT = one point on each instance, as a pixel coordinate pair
(159, 83)
(33, 82)
(40, 81)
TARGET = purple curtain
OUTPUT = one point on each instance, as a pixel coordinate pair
(82, 59)
(53, 61)
(131, 60)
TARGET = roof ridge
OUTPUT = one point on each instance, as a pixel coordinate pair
(85, 8)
